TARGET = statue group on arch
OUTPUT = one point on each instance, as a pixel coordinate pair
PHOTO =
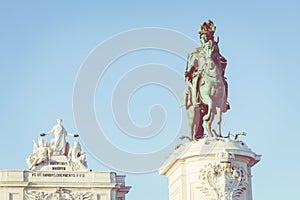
(43, 151)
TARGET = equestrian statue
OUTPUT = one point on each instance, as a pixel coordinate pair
(205, 97)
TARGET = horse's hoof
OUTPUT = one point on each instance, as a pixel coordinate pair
(206, 117)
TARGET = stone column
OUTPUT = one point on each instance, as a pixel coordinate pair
(210, 169)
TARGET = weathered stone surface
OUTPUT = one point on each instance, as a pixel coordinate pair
(210, 168)
(62, 185)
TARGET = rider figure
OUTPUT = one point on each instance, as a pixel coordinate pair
(209, 49)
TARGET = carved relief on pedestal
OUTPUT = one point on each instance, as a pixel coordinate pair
(81, 195)
(58, 194)
(224, 179)
(36, 195)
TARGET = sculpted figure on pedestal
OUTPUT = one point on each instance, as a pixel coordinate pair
(207, 91)
(59, 145)
(77, 156)
(41, 154)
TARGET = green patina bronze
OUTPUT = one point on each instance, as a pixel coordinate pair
(205, 97)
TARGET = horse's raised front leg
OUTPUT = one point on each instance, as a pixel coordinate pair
(209, 109)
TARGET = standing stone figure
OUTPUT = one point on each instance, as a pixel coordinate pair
(207, 91)
(59, 145)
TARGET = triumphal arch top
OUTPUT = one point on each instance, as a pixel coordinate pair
(58, 170)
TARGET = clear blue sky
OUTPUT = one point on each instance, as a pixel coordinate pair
(43, 45)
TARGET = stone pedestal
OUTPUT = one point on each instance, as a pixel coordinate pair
(210, 169)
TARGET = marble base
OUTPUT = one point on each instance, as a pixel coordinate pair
(210, 168)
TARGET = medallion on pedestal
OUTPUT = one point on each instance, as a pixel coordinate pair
(224, 179)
